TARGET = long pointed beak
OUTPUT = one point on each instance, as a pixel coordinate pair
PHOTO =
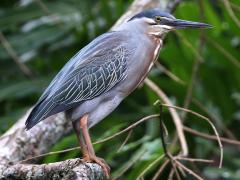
(179, 24)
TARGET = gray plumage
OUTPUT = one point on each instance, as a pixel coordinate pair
(108, 69)
(93, 71)
(152, 13)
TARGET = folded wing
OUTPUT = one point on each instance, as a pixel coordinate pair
(93, 71)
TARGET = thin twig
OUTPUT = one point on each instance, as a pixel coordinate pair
(98, 142)
(231, 13)
(189, 170)
(165, 147)
(163, 126)
(125, 141)
(165, 130)
(234, 6)
(160, 170)
(188, 44)
(128, 128)
(228, 56)
(170, 176)
(208, 120)
(172, 160)
(214, 118)
(174, 114)
(9, 49)
(194, 160)
(211, 137)
(48, 154)
(176, 171)
(179, 168)
(169, 73)
(130, 164)
(162, 130)
(141, 175)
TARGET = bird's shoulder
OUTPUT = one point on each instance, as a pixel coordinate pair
(103, 54)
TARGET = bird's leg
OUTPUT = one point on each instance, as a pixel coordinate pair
(86, 144)
(77, 129)
(86, 136)
(91, 154)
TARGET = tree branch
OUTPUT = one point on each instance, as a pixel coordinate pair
(67, 170)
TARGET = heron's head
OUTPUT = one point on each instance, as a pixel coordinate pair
(159, 23)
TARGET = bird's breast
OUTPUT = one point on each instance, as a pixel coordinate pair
(158, 45)
(141, 63)
(155, 54)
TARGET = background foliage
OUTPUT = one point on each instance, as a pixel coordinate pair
(43, 35)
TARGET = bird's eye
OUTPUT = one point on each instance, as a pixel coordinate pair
(157, 19)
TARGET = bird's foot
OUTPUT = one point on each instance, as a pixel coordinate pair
(101, 162)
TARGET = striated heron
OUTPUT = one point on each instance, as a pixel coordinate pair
(94, 81)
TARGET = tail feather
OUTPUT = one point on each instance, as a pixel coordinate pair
(38, 113)
(29, 122)
(43, 109)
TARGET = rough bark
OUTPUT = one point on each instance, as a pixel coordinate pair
(18, 144)
(67, 170)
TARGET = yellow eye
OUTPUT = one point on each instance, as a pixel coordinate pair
(157, 19)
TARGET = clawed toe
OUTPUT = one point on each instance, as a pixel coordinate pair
(104, 162)
(101, 162)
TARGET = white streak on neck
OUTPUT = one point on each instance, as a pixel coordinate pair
(156, 53)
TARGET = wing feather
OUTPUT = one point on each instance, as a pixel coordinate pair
(88, 74)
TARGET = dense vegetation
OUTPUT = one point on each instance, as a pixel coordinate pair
(38, 37)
